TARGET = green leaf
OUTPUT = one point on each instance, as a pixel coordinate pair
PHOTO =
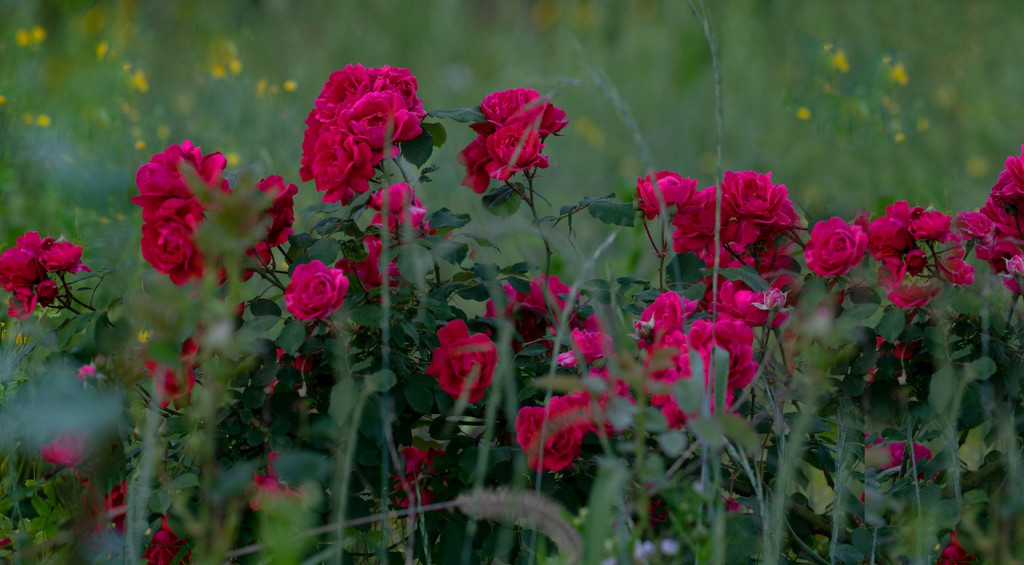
(738, 430)
(461, 115)
(445, 218)
(848, 554)
(264, 307)
(187, 480)
(382, 381)
(503, 201)
(291, 337)
(160, 502)
(673, 442)
(324, 250)
(604, 496)
(612, 212)
(436, 131)
(419, 397)
(294, 467)
(366, 315)
(416, 151)
(891, 325)
(981, 369)
(684, 268)
(747, 275)
(943, 389)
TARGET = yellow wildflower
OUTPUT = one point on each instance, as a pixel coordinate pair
(977, 167)
(140, 145)
(144, 336)
(233, 159)
(43, 121)
(898, 74)
(102, 48)
(139, 81)
(235, 66)
(923, 124)
(23, 38)
(289, 85)
(261, 87)
(218, 71)
(803, 113)
(3, 99)
(38, 34)
(900, 137)
(840, 62)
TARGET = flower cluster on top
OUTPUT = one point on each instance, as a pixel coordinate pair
(172, 212)
(511, 138)
(25, 271)
(357, 121)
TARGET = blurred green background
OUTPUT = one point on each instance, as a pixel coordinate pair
(849, 104)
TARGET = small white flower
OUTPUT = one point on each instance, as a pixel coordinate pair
(669, 547)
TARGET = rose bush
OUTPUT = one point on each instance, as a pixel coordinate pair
(266, 396)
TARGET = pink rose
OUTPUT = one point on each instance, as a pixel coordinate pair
(695, 224)
(404, 210)
(974, 225)
(675, 192)
(667, 313)
(20, 266)
(464, 363)
(733, 336)
(315, 291)
(930, 225)
(1010, 185)
(588, 345)
(66, 450)
(835, 247)
(908, 294)
(955, 553)
(172, 383)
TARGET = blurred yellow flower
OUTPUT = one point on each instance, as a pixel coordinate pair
(218, 71)
(289, 85)
(803, 113)
(140, 145)
(233, 159)
(923, 124)
(139, 81)
(261, 87)
(977, 167)
(590, 131)
(900, 137)
(43, 121)
(102, 48)
(3, 99)
(898, 74)
(38, 34)
(27, 119)
(144, 336)
(23, 38)
(235, 66)
(163, 132)
(840, 62)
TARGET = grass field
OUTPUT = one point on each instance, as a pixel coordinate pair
(850, 105)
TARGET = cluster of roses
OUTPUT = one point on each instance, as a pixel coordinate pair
(25, 271)
(356, 122)
(411, 486)
(511, 138)
(998, 228)
(172, 212)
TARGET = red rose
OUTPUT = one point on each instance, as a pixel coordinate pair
(675, 192)
(930, 225)
(172, 383)
(340, 163)
(20, 265)
(512, 148)
(1010, 185)
(475, 158)
(315, 291)
(567, 423)
(463, 362)
(368, 270)
(974, 225)
(752, 197)
(160, 179)
(835, 247)
(382, 120)
(668, 312)
(168, 244)
(520, 105)
(695, 224)
(282, 211)
(115, 505)
(165, 546)
(62, 256)
(734, 337)
(403, 209)
(954, 553)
